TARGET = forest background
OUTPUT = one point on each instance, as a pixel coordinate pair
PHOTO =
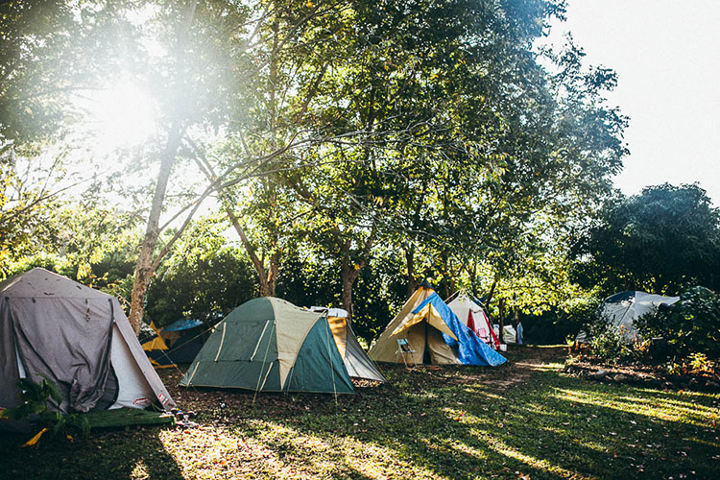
(189, 156)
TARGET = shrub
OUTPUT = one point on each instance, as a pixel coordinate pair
(34, 401)
(562, 323)
(692, 325)
(608, 343)
(699, 363)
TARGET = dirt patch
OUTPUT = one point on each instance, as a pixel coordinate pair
(650, 376)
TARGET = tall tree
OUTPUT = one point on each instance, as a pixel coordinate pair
(660, 240)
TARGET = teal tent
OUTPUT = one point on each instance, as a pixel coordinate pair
(270, 345)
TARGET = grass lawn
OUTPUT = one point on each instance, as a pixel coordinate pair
(523, 420)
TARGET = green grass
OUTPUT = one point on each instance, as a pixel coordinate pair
(525, 420)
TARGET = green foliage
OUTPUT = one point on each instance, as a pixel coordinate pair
(205, 279)
(380, 293)
(562, 322)
(700, 363)
(608, 343)
(34, 401)
(34, 398)
(27, 210)
(690, 326)
(661, 240)
(371, 141)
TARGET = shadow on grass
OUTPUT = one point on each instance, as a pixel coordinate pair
(426, 423)
(552, 427)
(106, 455)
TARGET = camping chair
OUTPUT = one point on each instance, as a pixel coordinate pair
(405, 349)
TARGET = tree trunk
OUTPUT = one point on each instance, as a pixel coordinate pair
(410, 260)
(473, 279)
(144, 268)
(492, 292)
(349, 275)
(265, 279)
(501, 318)
(273, 274)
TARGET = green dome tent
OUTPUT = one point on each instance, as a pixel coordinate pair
(270, 345)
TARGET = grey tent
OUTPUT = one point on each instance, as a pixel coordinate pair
(55, 328)
(357, 362)
(622, 309)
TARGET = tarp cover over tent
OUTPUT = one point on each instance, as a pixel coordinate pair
(182, 325)
(184, 339)
(475, 318)
(622, 309)
(55, 328)
(155, 347)
(357, 362)
(270, 345)
(426, 321)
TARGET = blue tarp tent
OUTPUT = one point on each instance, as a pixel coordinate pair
(471, 350)
(184, 339)
(434, 334)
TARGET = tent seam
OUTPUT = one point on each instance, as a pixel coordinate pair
(222, 341)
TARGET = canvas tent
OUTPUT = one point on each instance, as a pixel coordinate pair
(431, 327)
(622, 309)
(469, 310)
(357, 362)
(53, 327)
(270, 345)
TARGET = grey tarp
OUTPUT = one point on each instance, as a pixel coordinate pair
(65, 341)
(52, 327)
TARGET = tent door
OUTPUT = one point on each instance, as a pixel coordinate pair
(430, 347)
(440, 352)
(426, 350)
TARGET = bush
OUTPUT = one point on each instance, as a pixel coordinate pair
(692, 325)
(607, 342)
(35, 399)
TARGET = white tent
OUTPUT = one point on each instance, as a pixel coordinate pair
(52, 327)
(472, 314)
(622, 309)
(509, 334)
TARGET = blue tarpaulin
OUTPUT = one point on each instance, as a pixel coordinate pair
(471, 350)
(184, 324)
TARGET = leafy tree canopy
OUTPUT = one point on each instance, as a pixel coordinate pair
(658, 241)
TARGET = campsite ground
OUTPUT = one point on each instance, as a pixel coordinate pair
(523, 420)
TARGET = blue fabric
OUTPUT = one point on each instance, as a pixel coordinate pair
(471, 350)
(184, 324)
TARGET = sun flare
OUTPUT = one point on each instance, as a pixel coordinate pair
(123, 115)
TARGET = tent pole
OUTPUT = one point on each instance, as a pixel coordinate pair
(263, 366)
